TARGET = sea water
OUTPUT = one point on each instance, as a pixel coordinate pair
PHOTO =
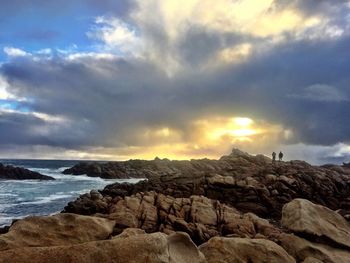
(21, 198)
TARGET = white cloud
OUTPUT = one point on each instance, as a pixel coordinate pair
(116, 34)
(4, 94)
(322, 93)
(45, 51)
(15, 52)
(89, 55)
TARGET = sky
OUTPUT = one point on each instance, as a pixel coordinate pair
(114, 80)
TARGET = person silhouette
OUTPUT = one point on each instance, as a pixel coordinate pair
(273, 157)
(280, 156)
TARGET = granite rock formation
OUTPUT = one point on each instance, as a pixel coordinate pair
(106, 238)
(248, 183)
(240, 208)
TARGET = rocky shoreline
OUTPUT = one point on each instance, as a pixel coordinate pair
(248, 183)
(9, 172)
(240, 208)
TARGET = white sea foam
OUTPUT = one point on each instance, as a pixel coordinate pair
(20, 198)
(8, 194)
(46, 199)
(61, 169)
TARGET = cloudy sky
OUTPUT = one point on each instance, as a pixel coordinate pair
(108, 79)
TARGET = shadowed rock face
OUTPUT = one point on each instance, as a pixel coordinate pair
(248, 183)
(17, 173)
(161, 167)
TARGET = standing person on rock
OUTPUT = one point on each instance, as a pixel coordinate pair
(280, 156)
(273, 157)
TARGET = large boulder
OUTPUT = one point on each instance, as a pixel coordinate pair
(10, 172)
(242, 250)
(56, 230)
(134, 247)
(302, 216)
(307, 251)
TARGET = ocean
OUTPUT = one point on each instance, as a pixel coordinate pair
(19, 199)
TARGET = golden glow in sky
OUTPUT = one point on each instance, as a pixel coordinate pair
(238, 129)
(210, 137)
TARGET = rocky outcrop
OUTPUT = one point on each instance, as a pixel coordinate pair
(57, 230)
(10, 172)
(165, 167)
(174, 226)
(319, 234)
(304, 250)
(318, 222)
(131, 247)
(200, 217)
(249, 183)
(242, 250)
(231, 207)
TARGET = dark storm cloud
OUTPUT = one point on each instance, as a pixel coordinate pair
(29, 130)
(198, 44)
(110, 102)
(115, 99)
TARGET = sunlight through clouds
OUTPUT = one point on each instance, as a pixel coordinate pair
(182, 79)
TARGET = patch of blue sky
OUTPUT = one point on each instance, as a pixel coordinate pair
(37, 30)
(14, 105)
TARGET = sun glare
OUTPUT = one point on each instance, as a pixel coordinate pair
(238, 128)
(243, 122)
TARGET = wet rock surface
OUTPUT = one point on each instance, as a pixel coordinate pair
(9, 172)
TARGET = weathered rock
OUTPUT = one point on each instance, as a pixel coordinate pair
(302, 216)
(95, 195)
(10, 172)
(56, 230)
(242, 250)
(153, 248)
(249, 183)
(200, 217)
(312, 260)
(302, 249)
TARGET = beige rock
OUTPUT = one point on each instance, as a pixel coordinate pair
(56, 230)
(182, 249)
(301, 215)
(261, 225)
(152, 248)
(312, 260)
(202, 211)
(227, 181)
(130, 232)
(243, 250)
(301, 249)
(239, 227)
